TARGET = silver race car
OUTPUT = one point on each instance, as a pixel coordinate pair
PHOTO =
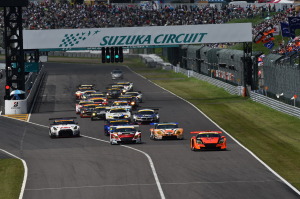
(64, 127)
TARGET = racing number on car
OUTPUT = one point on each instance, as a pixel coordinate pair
(16, 104)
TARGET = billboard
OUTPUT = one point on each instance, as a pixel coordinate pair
(95, 38)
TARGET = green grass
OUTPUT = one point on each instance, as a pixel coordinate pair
(273, 136)
(11, 178)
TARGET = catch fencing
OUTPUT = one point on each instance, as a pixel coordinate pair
(260, 96)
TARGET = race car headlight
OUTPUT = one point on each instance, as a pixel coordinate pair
(221, 141)
(94, 114)
(125, 116)
(83, 111)
(75, 127)
(159, 132)
(199, 141)
(132, 103)
(54, 128)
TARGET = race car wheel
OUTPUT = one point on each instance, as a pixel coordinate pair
(193, 148)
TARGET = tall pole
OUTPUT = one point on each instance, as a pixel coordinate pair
(13, 40)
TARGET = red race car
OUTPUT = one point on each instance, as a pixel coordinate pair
(208, 140)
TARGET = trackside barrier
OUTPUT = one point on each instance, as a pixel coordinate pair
(23, 106)
(277, 105)
(234, 90)
(237, 90)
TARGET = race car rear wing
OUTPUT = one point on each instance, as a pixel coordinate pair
(164, 123)
(197, 132)
(63, 118)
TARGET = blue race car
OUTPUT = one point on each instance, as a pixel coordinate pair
(146, 115)
(115, 122)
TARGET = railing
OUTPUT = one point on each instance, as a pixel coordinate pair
(275, 104)
(234, 90)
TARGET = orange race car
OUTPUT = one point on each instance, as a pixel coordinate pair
(208, 140)
(165, 130)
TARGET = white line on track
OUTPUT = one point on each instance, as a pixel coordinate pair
(83, 187)
(162, 195)
(148, 157)
(127, 185)
(251, 153)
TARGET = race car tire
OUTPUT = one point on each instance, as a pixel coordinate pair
(193, 148)
(151, 137)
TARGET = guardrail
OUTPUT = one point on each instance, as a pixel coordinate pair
(236, 90)
(277, 105)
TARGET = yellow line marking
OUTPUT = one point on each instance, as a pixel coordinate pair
(23, 117)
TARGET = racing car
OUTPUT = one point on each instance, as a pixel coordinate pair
(81, 88)
(116, 74)
(80, 104)
(87, 110)
(168, 130)
(64, 127)
(125, 134)
(118, 113)
(137, 94)
(117, 122)
(121, 104)
(208, 140)
(146, 115)
(88, 95)
(113, 93)
(99, 112)
(128, 86)
(132, 101)
(99, 100)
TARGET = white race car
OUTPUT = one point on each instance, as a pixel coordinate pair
(125, 134)
(64, 127)
(118, 113)
(127, 86)
(137, 94)
(121, 104)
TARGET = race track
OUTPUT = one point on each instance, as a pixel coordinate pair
(89, 167)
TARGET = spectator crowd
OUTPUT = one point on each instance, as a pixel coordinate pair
(67, 16)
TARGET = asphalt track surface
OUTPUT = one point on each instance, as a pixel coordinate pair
(92, 168)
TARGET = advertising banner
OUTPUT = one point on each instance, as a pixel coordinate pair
(96, 38)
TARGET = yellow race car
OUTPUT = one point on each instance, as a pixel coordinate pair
(169, 130)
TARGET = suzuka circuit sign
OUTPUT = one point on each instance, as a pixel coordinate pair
(95, 38)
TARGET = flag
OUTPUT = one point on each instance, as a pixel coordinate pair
(294, 97)
(269, 45)
(285, 29)
(294, 22)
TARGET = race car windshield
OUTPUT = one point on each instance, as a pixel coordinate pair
(89, 107)
(117, 71)
(80, 103)
(146, 112)
(100, 109)
(120, 123)
(98, 101)
(63, 122)
(210, 135)
(118, 111)
(125, 130)
(167, 126)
